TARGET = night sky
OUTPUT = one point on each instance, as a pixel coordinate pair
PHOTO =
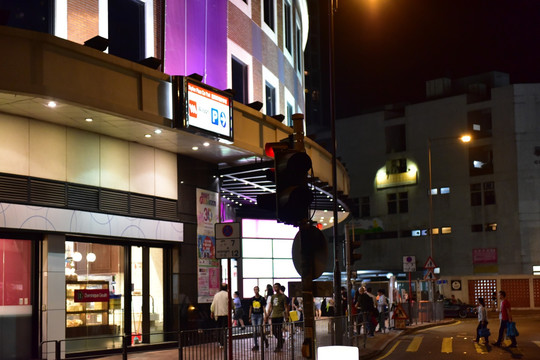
(387, 49)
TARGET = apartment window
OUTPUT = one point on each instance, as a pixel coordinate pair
(398, 203)
(270, 100)
(396, 166)
(476, 194)
(269, 13)
(289, 114)
(395, 138)
(364, 207)
(483, 193)
(239, 80)
(491, 227)
(480, 160)
(489, 193)
(479, 122)
(445, 190)
(298, 52)
(477, 228)
(287, 10)
(446, 230)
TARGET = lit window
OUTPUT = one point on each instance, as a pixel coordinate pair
(536, 270)
(446, 230)
(476, 127)
(445, 190)
(491, 227)
(435, 231)
(434, 191)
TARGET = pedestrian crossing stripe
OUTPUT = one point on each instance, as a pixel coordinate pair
(446, 346)
(480, 348)
(415, 344)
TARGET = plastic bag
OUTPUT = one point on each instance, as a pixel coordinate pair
(511, 329)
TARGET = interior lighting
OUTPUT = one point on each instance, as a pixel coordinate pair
(195, 148)
(157, 131)
(77, 256)
(147, 135)
(88, 119)
(91, 257)
(206, 143)
(51, 104)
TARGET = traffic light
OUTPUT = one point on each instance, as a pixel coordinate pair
(352, 256)
(293, 195)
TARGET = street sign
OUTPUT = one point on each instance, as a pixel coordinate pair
(228, 244)
(430, 275)
(409, 263)
(430, 264)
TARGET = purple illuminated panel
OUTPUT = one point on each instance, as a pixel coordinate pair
(196, 39)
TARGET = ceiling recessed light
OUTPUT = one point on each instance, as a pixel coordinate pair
(157, 131)
(206, 143)
(148, 135)
(195, 148)
(88, 119)
(51, 104)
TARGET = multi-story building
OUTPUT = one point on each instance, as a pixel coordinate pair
(109, 187)
(410, 173)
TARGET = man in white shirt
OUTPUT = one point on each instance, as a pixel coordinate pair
(219, 310)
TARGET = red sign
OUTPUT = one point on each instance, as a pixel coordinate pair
(94, 295)
(484, 256)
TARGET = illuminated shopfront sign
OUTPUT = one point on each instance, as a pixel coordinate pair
(202, 109)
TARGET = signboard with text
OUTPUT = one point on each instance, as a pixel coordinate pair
(202, 109)
(91, 295)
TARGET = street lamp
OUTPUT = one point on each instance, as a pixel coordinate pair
(464, 138)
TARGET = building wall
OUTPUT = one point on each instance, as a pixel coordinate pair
(514, 114)
(44, 150)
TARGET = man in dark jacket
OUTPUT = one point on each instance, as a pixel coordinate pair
(365, 307)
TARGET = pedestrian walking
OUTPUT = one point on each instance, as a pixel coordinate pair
(257, 312)
(278, 311)
(505, 316)
(382, 306)
(219, 311)
(238, 311)
(482, 330)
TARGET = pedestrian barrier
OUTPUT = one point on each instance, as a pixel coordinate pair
(214, 343)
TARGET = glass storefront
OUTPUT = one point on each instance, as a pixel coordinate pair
(15, 298)
(95, 295)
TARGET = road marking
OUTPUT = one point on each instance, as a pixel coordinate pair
(436, 327)
(415, 344)
(446, 345)
(481, 349)
(537, 343)
(390, 351)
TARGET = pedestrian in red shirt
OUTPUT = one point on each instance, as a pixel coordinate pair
(505, 317)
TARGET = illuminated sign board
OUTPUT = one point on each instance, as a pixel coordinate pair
(202, 109)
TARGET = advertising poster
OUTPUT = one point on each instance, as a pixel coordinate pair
(208, 266)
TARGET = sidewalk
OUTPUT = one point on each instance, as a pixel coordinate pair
(374, 345)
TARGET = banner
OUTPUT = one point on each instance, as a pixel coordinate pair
(207, 266)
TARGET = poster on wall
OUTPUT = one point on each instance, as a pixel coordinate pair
(207, 264)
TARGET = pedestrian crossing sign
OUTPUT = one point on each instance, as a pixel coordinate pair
(430, 275)
(430, 264)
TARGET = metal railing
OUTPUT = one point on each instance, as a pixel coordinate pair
(214, 343)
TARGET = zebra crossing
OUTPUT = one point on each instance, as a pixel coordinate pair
(447, 345)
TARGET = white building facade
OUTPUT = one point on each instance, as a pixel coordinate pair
(485, 194)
